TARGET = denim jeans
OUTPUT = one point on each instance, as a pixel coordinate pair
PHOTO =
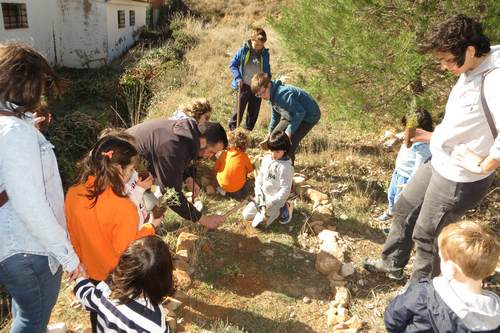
(428, 203)
(34, 290)
(395, 188)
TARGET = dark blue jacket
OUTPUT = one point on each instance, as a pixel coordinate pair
(421, 309)
(241, 58)
(292, 104)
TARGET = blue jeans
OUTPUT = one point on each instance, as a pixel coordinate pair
(395, 189)
(33, 288)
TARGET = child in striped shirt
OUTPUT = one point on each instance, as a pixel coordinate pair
(129, 300)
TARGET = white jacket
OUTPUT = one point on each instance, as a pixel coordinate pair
(274, 181)
(465, 122)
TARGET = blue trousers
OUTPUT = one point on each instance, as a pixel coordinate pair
(34, 290)
(395, 188)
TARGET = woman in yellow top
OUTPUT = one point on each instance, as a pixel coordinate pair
(233, 166)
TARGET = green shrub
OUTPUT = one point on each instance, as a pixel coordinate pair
(72, 136)
(364, 53)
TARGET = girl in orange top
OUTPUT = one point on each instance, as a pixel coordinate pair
(233, 166)
(102, 220)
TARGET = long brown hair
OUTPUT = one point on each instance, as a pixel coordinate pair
(103, 161)
(25, 75)
(144, 269)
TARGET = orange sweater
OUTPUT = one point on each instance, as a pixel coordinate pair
(232, 168)
(101, 233)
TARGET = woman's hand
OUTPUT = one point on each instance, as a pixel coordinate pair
(145, 183)
(468, 158)
(421, 136)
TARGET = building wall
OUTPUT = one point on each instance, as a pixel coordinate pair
(121, 39)
(83, 39)
(43, 27)
(78, 33)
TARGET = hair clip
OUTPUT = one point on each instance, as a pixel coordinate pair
(108, 154)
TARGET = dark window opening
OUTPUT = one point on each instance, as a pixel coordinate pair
(121, 19)
(132, 17)
(14, 15)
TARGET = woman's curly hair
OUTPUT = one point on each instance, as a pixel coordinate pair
(455, 35)
(196, 108)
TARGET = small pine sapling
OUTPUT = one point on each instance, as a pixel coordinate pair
(411, 124)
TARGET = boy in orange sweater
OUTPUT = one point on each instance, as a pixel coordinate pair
(233, 166)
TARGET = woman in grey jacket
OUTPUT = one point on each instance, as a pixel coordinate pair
(33, 239)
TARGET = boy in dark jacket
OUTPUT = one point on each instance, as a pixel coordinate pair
(455, 301)
(294, 111)
(250, 59)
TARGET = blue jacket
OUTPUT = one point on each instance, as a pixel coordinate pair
(292, 104)
(241, 58)
(433, 306)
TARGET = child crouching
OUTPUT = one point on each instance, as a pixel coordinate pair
(455, 301)
(272, 185)
(129, 300)
(233, 166)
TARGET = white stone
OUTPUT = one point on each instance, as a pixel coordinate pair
(347, 269)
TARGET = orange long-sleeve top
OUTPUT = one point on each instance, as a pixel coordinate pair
(101, 233)
(232, 168)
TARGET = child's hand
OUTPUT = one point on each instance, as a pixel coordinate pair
(79, 272)
(193, 186)
(145, 183)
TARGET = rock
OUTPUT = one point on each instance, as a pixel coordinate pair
(298, 180)
(326, 263)
(180, 264)
(209, 189)
(181, 279)
(331, 316)
(268, 253)
(186, 241)
(318, 228)
(347, 269)
(57, 328)
(361, 282)
(325, 210)
(171, 322)
(315, 223)
(306, 300)
(173, 304)
(343, 296)
(330, 244)
(183, 255)
(326, 202)
(321, 217)
(292, 315)
(316, 196)
(343, 217)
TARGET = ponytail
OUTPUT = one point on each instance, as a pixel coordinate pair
(103, 162)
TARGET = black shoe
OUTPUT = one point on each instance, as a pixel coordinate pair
(378, 266)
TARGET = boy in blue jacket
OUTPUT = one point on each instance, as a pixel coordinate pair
(454, 302)
(294, 111)
(250, 59)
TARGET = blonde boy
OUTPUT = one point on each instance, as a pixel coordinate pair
(454, 301)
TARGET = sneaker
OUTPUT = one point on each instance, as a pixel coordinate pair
(378, 266)
(220, 191)
(384, 217)
(286, 213)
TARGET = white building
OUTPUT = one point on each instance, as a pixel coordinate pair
(74, 33)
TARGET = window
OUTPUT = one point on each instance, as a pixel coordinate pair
(132, 17)
(121, 19)
(14, 15)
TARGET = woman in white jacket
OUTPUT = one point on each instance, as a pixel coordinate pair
(465, 151)
(34, 244)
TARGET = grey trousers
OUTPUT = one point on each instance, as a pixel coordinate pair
(428, 203)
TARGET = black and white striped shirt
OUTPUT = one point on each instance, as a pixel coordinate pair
(138, 316)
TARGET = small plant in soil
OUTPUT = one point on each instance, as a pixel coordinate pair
(411, 124)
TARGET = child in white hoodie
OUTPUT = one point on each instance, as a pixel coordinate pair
(454, 302)
(273, 184)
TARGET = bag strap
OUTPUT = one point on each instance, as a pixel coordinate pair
(486, 109)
